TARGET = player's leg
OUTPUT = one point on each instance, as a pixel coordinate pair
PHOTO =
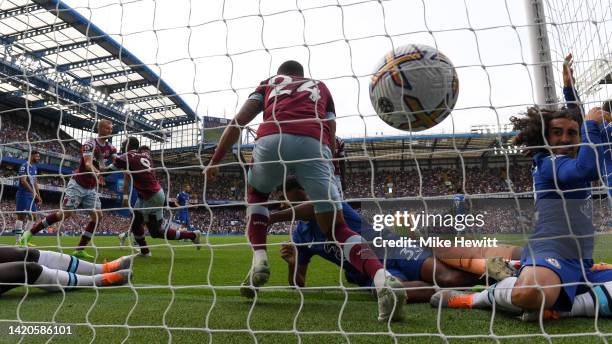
(137, 228)
(18, 231)
(17, 274)
(266, 173)
(71, 201)
(59, 261)
(48, 221)
(418, 291)
(152, 211)
(90, 201)
(316, 177)
(95, 216)
(158, 230)
(537, 286)
(23, 203)
(438, 273)
(481, 261)
(596, 299)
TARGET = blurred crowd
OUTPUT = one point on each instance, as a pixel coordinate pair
(437, 182)
(14, 129)
(111, 223)
(226, 196)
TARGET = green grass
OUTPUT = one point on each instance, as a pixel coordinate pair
(183, 295)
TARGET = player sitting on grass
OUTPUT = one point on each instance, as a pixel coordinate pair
(148, 210)
(415, 267)
(557, 259)
(54, 271)
(28, 195)
(298, 136)
(81, 190)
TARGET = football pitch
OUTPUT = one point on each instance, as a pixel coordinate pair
(188, 296)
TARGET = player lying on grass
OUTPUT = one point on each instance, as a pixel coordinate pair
(54, 271)
(297, 136)
(557, 259)
(415, 267)
(148, 210)
(81, 191)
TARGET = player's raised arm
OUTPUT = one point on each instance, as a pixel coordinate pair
(231, 134)
(570, 93)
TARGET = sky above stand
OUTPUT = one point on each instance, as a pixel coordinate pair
(214, 53)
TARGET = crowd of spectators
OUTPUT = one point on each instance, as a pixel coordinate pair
(111, 223)
(436, 182)
(14, 129)
(384, 184)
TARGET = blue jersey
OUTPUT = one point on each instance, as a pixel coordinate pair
(606, 167)
(182, 198)
(459, 204)
(406, 265)
(564, 226)
(573, 102)
(30, 171)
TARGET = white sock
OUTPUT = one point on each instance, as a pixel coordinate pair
(29, 225)
(502, 292)
(55, 280)
(18, 228)
(584, 304)
(379, 278)
(259, 256)
(481, 300)
(64, 262)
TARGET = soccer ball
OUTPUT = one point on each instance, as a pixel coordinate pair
(414, 87)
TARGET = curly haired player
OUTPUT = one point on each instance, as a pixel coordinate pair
(557, 260)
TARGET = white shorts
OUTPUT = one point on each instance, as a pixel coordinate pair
(77, 197)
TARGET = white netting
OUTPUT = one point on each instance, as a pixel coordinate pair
(173, 72)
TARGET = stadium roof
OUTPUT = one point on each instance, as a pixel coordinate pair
(54, 61)
(406, 147)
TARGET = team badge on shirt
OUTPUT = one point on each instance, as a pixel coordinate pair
(553, 262)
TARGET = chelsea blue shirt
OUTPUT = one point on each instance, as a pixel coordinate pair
(30, 171)
(182, 198)
(564, 226)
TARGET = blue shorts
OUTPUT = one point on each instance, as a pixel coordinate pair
(25, 202)
(408, 269)
(570, 272)
(182, 217)
(277, 156)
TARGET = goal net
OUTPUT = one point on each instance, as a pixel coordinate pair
(174, 73)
